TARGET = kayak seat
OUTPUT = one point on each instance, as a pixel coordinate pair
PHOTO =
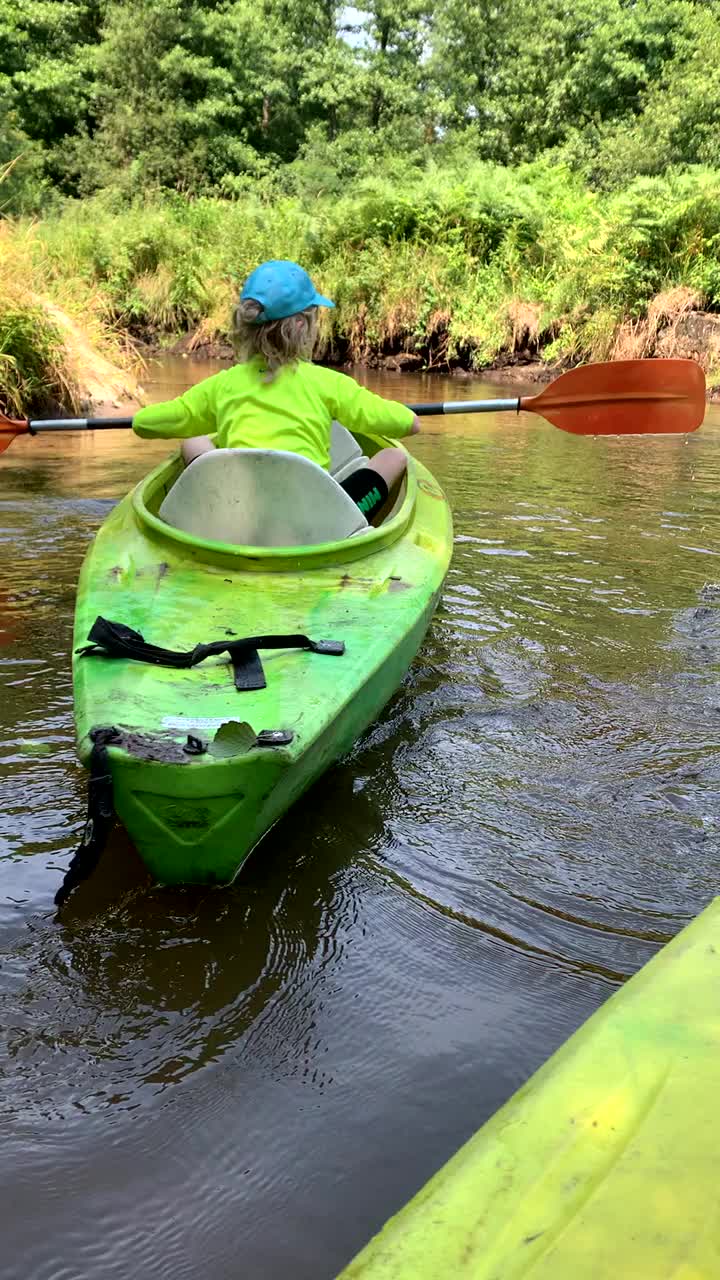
(346, 456)
(260, 498)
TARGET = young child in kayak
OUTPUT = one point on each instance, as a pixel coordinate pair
(275, 398)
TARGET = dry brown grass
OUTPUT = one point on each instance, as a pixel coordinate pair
(524, 324)
(438, 337)
(96, 379)
(400, 319)
(359, 344)
(637, 339)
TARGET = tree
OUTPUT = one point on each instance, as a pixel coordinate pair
(210, 95)
(526, 79)
(393, 51)
(45, 58)
(234, 84)
(678, 121)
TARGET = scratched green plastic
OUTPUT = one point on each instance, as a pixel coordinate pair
(605, 1165)
(195, 819)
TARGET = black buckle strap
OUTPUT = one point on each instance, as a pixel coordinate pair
(100, 815)
(116, 640)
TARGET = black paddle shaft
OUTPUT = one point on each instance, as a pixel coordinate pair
(77, 424)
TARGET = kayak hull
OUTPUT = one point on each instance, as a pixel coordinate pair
(604, 1164)
(196, 818)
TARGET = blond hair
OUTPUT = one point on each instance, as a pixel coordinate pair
(277, 342)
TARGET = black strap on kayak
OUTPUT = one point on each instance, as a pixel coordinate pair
(115, 640)
(100, 815)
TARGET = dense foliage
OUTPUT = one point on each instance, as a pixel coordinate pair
(212, 96)
(467, 265)
(470, 179)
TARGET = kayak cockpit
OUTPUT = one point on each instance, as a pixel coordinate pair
(260, 497)
(267, 508)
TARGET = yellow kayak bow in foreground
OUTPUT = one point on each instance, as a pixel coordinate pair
(605, 1165)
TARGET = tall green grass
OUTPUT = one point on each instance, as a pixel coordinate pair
(34, 373)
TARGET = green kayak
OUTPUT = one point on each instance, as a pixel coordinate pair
(604, 1165)
(306, 641)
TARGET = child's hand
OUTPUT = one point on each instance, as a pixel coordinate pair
(415, 426)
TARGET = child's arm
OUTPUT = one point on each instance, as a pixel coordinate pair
(361, 410)
(191, 414)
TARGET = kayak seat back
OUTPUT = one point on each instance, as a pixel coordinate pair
(260, 498)
(346, 456)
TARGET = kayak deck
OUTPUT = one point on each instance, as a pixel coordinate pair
(195, 818)
(604, 1164)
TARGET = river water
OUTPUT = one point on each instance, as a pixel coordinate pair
(247, 1082)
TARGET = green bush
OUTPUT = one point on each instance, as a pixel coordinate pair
(465, 262)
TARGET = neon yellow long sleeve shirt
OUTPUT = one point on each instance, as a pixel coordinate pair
(294, 411)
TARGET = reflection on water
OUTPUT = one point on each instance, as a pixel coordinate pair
(268, 1071)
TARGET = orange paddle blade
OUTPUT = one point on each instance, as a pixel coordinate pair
(624, 397)
(10, 428)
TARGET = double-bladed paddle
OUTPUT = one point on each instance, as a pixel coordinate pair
(620, 397)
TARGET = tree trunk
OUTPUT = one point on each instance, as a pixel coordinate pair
(378, 101)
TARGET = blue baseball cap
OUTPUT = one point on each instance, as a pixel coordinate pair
(282, 289)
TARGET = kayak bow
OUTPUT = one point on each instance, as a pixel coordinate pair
(603, 1164)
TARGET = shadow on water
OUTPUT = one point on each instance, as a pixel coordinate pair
(193, 1077)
